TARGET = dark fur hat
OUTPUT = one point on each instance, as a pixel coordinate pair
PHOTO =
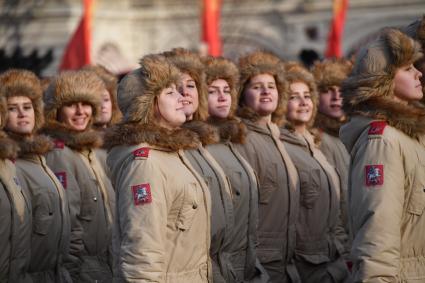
(111, 83)
(70, 87)
(138, 90)
(190, 63)
(221, 68)
(331, 72)
(416, 30)
(257, 63)
(17, 82)
(295, 72)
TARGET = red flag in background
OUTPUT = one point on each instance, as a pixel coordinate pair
(337, 28)
(211, 26)
(77, 53)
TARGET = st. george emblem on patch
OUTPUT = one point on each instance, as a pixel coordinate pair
(142, 194)
(62, 178)
(374, 175)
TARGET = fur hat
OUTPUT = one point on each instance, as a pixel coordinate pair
(416, 30)
(17, 82)
(260, 62)
(70, 87)
(190, 63)
(331, 72)
(138, 90)
(373, 73)
(111, 83)
(221, 68)
(295, 72)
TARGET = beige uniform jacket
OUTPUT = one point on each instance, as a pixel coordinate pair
(386, 202)
(222, 214)
(91, 201)
(15, 226)
(320, 234)
(278, 200)
(51, 223)
(162, 229)
(240, 248)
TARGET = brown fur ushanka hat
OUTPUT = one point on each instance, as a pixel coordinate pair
(331, 72)
(111, 83)
(71, 87)
(190, 63)
(295, 72)
(138, 91)
(374, 71)
(257, 63)
(221, 68)
(16, 82)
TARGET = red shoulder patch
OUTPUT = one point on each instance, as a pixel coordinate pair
(62, 178)
(141, 152)
(59, 144)
(377, 128)
(374, 175)
(142, 194)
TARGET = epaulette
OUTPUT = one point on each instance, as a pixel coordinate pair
(376, 128)
(141, 153)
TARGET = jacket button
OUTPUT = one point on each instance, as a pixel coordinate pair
(95, 198)
(194, 206)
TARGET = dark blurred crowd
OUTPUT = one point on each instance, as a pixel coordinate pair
(200, 169)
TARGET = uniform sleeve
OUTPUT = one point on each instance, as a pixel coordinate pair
(376, 208)
(142, 217)
(63, 167)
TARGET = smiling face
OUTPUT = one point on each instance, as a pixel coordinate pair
(219, 99)
(190, 95)
(330, 102)
(169, 108)
(261, 95)
(300, 104)
(407, 84)
(76, 115)
(21, 116)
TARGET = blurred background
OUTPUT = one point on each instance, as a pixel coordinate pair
(35, 33)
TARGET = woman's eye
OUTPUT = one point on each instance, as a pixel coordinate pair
(11, 109)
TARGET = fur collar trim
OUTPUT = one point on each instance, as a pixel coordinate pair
(229, 129)
(410, 118)
(76, 140)
(329, 125)
(207, 133)
(248, 114)
(135, 133)
(8, 147)
(38, 144)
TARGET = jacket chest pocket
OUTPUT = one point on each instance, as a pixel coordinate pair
(269, 185)
(43, 210)
(309, 186)
(417, 199)
(89, 200)
(189, 207)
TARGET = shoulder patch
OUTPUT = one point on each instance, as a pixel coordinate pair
(142, 194)
(59, 144)
(142, 152)
(377, 128)
(374, 175)
(62, 178)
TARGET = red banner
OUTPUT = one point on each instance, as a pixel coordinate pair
(336, 29)
(211, 26)
(77, 53)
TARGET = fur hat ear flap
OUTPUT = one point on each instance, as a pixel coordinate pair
(3, 112)
(72, 87)
(16, 82)
(221, 68)
(138, 90)
(260, 62)
(190, 63)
